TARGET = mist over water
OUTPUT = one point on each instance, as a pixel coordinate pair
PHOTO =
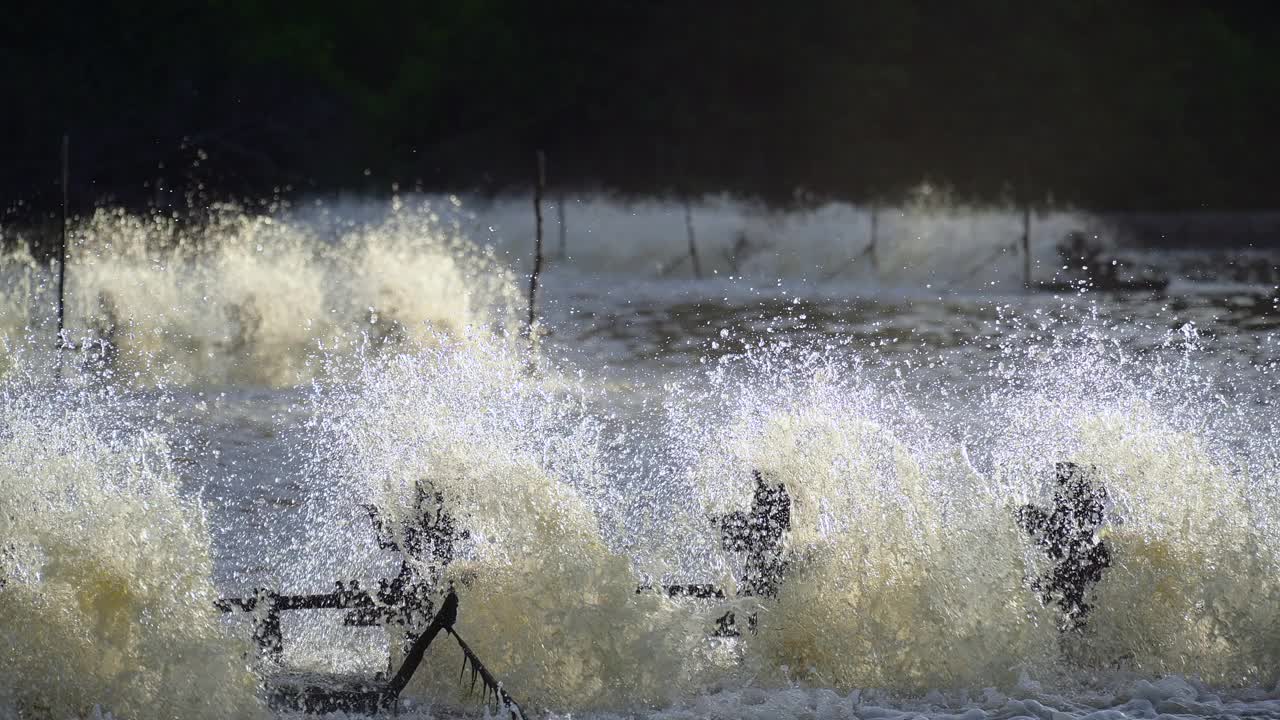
(240, 387)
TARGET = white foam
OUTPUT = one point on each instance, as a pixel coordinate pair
(249, 298)
(106, 595)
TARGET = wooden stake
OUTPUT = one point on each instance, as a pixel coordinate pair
(62, 247)
(537, 243)
(693, 243)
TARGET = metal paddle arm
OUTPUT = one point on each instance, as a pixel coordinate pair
(387, 605)
(428, 541)
(375, 696)
(759, 534)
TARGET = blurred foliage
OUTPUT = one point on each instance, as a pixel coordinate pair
(1138, 104)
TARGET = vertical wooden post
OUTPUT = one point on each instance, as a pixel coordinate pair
(1026, 247)
(871, 248)
(693, 242)
(564, 231)
(62, 246)
(537, 243)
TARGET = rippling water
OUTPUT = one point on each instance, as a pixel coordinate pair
(240, 388)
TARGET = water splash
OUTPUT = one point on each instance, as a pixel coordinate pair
(923, 240)
(256, 298)
(1193, 587)
(105, 570)
(884, 589)
(908, 568)
(547, 603)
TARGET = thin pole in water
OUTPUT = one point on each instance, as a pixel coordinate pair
(62, 247)
(693, 242)
(1026, 247)
(537, 243)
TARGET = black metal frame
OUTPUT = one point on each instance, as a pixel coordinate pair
(758, 534)
(374, 696)
(404, 601)
(380, 608)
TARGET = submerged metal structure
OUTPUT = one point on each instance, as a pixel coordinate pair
(759, 535)
(315, 694)
(1068, 532)
(404, 602)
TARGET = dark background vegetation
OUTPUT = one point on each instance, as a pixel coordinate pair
(1141, 104)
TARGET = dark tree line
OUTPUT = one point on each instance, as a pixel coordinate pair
(1111, 104)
